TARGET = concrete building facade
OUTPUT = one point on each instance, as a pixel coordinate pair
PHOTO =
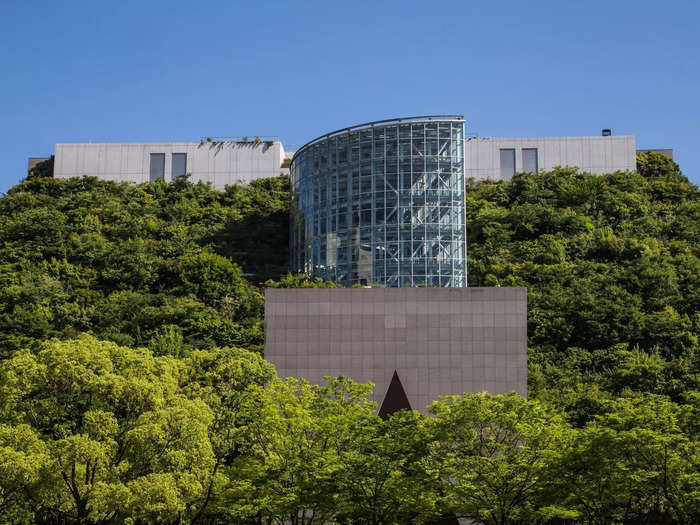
(217, 162)
(500, 158)
(438, 341)
(226, 162)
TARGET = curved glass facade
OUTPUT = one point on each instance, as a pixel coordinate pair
(382, 203)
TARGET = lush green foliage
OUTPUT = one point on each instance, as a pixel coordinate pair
(612, 267)
(167, 413)
(42, 169)
(93, 432)
(156, 264)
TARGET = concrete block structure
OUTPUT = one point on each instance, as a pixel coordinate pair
(500, 158)
(221, 163)
(438, 341)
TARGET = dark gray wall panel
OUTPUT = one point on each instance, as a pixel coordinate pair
(440, 340)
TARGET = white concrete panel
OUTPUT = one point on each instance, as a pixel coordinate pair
(592, 154)
(598, 156)
(552, 156)
(219, 164)
(588, 156)
(92, 157)
(574, 152)
(113, 159)
(232, 162)
(624, 153)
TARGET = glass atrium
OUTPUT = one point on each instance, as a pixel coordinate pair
(382, 203)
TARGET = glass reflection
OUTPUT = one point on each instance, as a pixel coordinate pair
(383, 204)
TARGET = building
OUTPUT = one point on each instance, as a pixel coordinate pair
(382, 202)
(501, 158)
(414, 344)
(230, 161)
(219, 162)
(376, 203)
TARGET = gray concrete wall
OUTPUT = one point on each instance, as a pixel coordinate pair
(208, 162)
(440, 340)
(590, 154)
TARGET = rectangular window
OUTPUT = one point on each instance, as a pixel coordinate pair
(179, 165)
(530, 160)
(507, 163)
(157, 166)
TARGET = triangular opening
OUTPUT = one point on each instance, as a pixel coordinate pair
(395, 398)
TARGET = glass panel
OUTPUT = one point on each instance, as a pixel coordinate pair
(507, 163)
(387, 208)
(157, 168)
(179, 167)
(530, 160)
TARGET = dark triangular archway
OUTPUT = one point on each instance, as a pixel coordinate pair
(395, 398)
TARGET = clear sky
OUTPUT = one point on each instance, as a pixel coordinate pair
(180, 70)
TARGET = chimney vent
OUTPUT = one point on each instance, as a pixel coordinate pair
(607, 132)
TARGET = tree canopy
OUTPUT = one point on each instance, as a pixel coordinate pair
(149, 265)
(133, 387)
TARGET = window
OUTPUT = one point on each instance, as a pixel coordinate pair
(157, 166)
(530, 160)
(507, 163)
(179, 165)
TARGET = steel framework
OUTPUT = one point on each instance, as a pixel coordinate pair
(382, 202)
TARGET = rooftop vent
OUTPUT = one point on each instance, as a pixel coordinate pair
(607, 132)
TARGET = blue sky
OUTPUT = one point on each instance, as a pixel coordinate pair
(150, 71)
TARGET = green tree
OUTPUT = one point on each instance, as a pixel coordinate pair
(23, 460)
(386, 479)
(42, 169)
(115, 428)
(301, 443)
(634, 464)
(657, 165)
(493, 455)
(233, 383)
